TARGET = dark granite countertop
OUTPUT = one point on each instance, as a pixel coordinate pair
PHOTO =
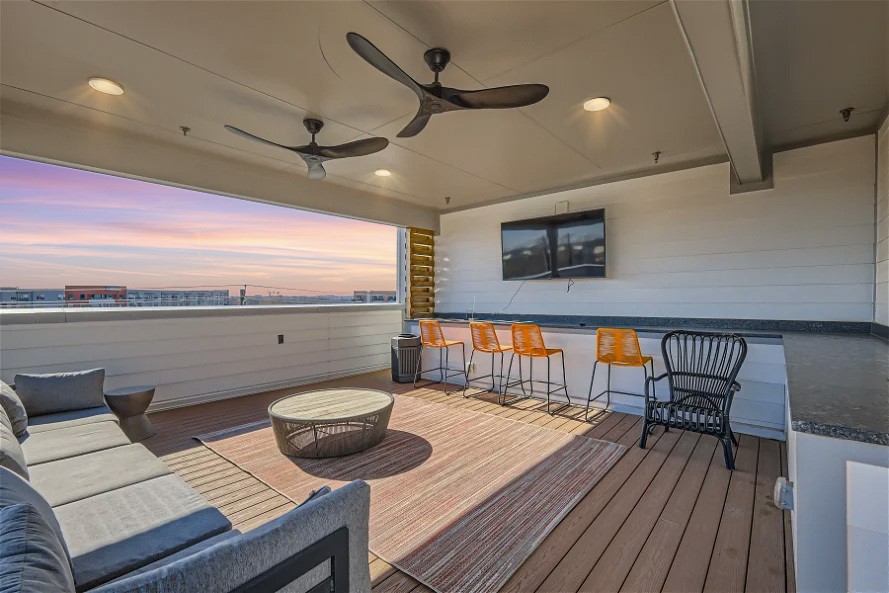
(582, 327)
(838, 385)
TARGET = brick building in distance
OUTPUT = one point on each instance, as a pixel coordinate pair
(95, 296)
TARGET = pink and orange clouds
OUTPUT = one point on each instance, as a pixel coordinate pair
(65, 226)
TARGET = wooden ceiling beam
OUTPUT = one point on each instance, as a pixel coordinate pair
(717, 34)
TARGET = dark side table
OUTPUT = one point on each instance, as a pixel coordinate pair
(129, 405)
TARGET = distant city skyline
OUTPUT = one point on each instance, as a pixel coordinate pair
(65, 226)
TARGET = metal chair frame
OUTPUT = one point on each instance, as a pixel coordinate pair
(332, 548)
(608, 390)
(495, 385)
(443, 365)
(563, 386)
(702, 368)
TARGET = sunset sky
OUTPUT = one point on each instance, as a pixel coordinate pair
(64, 226)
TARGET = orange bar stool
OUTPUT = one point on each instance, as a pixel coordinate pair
(431, 336)
(617, 347)
(484, 339)
(527, 341)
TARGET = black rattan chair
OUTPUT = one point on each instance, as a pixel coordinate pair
(701, 371)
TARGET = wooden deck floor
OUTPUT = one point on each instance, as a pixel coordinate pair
(667, 518)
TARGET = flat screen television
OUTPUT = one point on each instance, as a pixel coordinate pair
(562, 246)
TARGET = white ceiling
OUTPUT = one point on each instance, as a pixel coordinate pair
(264, 66)
(815, 58)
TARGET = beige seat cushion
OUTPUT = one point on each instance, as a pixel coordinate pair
(52, 445)
(120, 531)
(69, 480)
(73, 418)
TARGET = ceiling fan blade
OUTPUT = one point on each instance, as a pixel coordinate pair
(373, 56)
(316, 171)
(249, 136)
(356, 148)
(504, 97)
(415, 126)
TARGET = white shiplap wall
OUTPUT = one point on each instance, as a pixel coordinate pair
(881, 306)
(200, 358)
(680, 245)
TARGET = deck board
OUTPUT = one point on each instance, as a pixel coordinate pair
(614, 566)
(728, 564)
(669, 517)
(765, 564)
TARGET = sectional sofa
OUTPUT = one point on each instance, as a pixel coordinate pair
(83, 509)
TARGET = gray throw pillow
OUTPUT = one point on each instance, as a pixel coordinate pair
(10, 402)
(33, 558)
(11, 455)
(61, 392)
(15, 490)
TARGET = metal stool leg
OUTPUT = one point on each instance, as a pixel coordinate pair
(531, 374)
(466, 384)
(565, 379)
(465, 366)
(608, 397)
(589, 396)
(447, 365)
(521, 384)
(419, 360)
(506, 383)
(548, 387)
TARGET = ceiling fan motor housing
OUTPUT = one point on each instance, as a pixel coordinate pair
(437, 58)
(313, 125)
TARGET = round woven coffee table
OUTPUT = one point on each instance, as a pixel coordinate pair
(330, 422)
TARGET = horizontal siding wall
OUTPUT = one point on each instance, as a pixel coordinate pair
(680, 245)
(203, 358)
(881, 308)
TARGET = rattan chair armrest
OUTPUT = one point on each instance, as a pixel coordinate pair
(649, 381)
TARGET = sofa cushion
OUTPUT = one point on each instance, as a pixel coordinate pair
(9, 401)
(74, 418)
(117, 532)
(11, 454)
(203, 545)
(15, 490)
(224, 567)
(33, 558)
(67, 480)
(61, 392)
(52, 445)
(184, 553)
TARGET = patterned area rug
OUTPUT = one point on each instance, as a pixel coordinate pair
(459, 499)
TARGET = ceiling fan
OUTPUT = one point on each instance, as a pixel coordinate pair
(435, 98)
(314, 154)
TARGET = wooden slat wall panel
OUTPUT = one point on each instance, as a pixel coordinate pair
(421, 273)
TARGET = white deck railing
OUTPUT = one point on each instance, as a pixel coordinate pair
(201, 354)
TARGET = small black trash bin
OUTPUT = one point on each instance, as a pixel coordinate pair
(405, 353)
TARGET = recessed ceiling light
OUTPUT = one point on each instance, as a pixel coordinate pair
(103, 85)
(597, 104)
(382, 172)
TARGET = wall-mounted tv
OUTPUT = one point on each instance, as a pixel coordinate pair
(562, 246)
